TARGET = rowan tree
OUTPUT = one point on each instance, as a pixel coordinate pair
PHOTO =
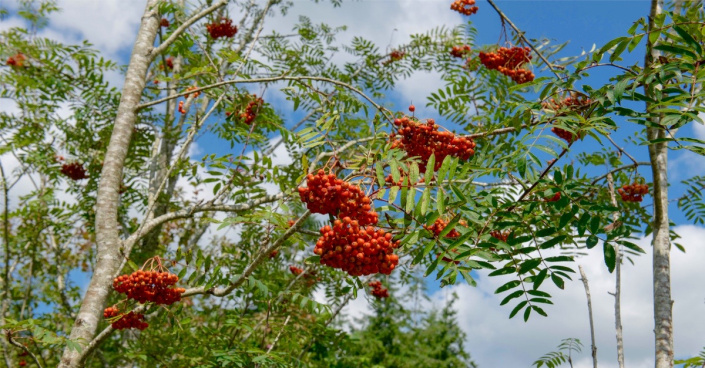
(484, 189)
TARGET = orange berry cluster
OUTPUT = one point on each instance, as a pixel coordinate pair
(571, 102)
(22, 363)
(182, 110)
(195, 95)
(460, 51)
(355, 249)
(252, 109)
(377, 290)
(164, 22)
(438, 227)
(224, 28)
(129, 320)
(390, 180)
(169, 63)
(565, 135)
(17, 60)
(149, 286)
(326, 194)
(395, 55)
(422, 140)
(556, 197)
(465, 7)
(500, 235)
(508, 61)
(633, 192)
(74, 171)
(295, 270)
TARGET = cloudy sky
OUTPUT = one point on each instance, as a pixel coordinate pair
(493, 339)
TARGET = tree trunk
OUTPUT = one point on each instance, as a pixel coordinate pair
(108, 241)
(658, 155)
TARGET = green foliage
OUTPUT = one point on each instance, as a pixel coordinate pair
(562, 355)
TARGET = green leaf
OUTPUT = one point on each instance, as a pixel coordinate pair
(510, 285)
(429, 169)
(529, 265)
(610, 256)
(591, 241)
(440, 201)
(511, 296)
(552, 242)
(538, 279)
(517, 308)
(558, 281)
(685, 35)
(538, 309)
(503, 271)
(380, 175)
(527, 312)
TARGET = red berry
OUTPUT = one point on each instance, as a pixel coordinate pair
(412, 108)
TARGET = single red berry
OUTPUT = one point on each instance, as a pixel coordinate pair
(412, 108)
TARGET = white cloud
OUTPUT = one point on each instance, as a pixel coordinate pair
(496, 341)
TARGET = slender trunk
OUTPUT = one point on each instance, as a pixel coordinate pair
(618, 280)
(592, 323)
(658, 155)
(108, 241)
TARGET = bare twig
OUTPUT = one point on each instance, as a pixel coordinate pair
(618, 281)
(592, 324)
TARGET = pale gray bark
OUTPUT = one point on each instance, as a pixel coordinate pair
(108, 240)
(658, 155)
(618, 280)
(592, 323)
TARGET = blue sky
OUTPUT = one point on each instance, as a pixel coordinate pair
(493, 340)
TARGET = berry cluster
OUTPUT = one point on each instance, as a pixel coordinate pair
(460, 51)
(377, 290)
(251, 110)
(633, 192)
(395, 55)
(22, 363)
(274, 254)
(169, 63)
(390, 180)
(149, 286)
(566, 135)
(195, 94)
(465, 7)
(508, 61)
(295, 270)
(571, 102)
(556, 197)
(17, 60)
(182, 110)
(224, 28)
(129, 320)
(74, 171)
(500, 235)
(326, 194)
(355, 249)
(438, 227)
(164, 22)
(422, 140)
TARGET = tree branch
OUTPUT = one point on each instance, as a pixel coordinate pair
(182, 28)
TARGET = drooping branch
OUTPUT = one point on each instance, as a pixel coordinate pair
(182, 28)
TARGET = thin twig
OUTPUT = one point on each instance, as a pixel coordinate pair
(592, 323)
